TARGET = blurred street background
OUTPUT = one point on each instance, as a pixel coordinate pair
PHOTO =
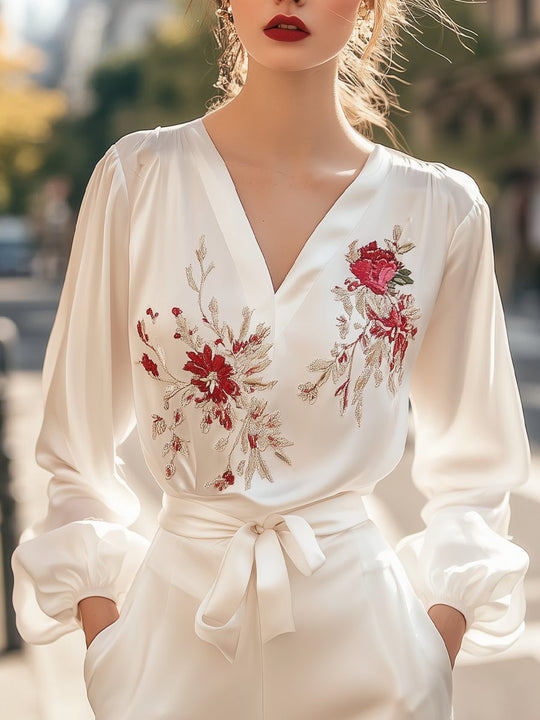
(75, 75)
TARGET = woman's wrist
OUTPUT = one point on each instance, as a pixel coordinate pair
(451, 624)
(96, 614)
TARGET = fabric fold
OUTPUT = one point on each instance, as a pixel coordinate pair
(471, 449)
(258, 546)
(55, 571)
(82, 546)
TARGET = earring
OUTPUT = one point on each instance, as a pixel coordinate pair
(225, 13)
(365, 21)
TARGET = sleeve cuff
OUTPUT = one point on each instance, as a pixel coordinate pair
(460, 561)
(54, 571)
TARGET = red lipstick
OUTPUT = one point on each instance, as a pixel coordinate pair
(299, 32)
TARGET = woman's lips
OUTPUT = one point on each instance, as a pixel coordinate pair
(295, 31)
(285, 35)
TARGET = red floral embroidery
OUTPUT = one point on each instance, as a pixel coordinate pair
(149, 365)
(375, 267)
(212, 376)
(224, 383)
(378, 320)
(396, 328)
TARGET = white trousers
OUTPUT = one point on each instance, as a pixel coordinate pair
(363, 646)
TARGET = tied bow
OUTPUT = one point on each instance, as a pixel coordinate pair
(219, 617)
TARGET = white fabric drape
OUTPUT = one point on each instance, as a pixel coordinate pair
(83, 546)
(470, 449)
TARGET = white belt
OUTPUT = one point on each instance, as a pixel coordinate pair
(261, 542)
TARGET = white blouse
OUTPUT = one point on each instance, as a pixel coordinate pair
(252, 401)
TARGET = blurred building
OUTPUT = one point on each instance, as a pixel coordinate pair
(82, 33)
(517, 25)
(94, 29)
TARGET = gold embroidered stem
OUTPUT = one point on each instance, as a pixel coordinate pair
(224, 376)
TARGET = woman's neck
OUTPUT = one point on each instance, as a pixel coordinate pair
(290, 120)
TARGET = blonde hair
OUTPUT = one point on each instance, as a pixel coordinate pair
(365, 65)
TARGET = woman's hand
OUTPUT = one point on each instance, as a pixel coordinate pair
(450, 623)
(96, 613)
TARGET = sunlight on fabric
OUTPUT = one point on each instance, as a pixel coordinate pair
(528, 646)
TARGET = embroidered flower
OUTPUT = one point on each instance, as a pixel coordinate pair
(224, 480)
(396, 327)
(225, 383)
(212, 376)
(159, 426)
(149, 365)
(375, 267)
(378, 320)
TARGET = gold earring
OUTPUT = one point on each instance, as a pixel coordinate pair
(363, 8)
(225, 12)
(365, 21)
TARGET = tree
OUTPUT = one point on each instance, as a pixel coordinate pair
(438, 68)
(27, 114)
(164, 83)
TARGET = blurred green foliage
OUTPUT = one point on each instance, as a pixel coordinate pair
(27, 115)
(165, 83)
(436, 53)
(455, 83)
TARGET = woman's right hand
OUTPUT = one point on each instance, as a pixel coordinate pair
(96, 614)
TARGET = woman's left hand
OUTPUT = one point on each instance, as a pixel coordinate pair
(450, 623)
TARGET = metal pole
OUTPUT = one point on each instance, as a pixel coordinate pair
(8, 520)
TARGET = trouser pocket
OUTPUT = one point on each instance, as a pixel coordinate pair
(412, 649)
(104, 641)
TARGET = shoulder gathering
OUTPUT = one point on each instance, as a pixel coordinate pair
(449, 186)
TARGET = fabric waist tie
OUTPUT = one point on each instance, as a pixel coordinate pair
(261, 543)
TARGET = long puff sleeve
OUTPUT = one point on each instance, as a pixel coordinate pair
(83, 546)
(471, 449)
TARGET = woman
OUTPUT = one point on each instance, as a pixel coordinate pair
(261, 291)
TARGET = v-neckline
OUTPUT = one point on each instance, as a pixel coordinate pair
(241, 239)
